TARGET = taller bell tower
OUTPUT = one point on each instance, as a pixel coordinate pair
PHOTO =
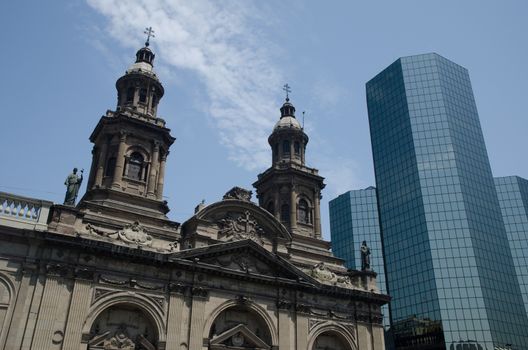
(289, 189)
(131, 145)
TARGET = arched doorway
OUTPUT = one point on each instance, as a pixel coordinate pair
(122, 327)
(330, 341)
(239, 328)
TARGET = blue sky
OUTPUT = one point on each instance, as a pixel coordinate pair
(223, 65)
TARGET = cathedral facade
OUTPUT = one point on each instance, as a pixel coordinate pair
(113, 272)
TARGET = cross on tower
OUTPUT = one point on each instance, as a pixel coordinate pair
(150, 34)
(287, 88)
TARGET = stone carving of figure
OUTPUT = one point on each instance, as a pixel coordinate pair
(73, 182)
(365, 256)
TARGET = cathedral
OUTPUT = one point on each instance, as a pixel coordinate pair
(114, 272)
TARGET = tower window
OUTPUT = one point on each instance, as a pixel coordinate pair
(285, 213)
(110, 166)
(130, 94)
(303, 212)
(286, 147)
(143, 95)
(297, 148)
(271, 207)
(276, 150)
(135, 166)
(154, 101)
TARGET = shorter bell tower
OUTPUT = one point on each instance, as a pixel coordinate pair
(131, 145)
(289, 189)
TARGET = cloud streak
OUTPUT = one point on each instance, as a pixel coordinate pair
(224, 46)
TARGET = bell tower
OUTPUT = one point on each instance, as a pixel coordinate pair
(289, 189)
(131, 145)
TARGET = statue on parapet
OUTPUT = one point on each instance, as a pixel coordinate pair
(365, 256)
(73, 182)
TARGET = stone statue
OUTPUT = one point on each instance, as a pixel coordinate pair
(73, 182)
(365, 256)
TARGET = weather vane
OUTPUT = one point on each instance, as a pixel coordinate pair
(287, 88)
(150, 34)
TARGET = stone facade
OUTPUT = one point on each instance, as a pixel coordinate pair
(115, 273)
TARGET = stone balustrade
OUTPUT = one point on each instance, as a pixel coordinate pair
(24, 212)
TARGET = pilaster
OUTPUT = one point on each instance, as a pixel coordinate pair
(21, 311)
(284, 324)
(293, 208)
(48, 308)
(78, 308)
(199, 296)
(175, 317)
(101, 164)
(301, 328)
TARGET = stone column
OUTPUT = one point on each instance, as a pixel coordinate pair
(175, 318)
(284, 325)
(20, 314)
(293, 208)
(197, 318)
(99, 173)
(48, 309)
(161, 176)
(79, 306)
(317, 214)
(153, 171)
(120, 161)
(277, 204)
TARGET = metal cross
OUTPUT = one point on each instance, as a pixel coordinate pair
(287, 88)
(150, 34)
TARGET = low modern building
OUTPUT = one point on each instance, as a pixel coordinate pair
(447, 257)
(113, 272)
(513, 199)
(354, 219)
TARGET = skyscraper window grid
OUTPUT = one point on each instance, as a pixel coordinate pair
(445, 246)
(354, 219)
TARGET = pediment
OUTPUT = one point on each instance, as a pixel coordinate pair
(233, 219)
(244, 256)
(238, 337)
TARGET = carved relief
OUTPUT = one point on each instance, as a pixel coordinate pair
(238, 193)
(131, 234)
(241, 262)
(323, 274)
(243, 227)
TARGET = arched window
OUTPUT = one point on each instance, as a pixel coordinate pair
(286, 147)
(297, 148)
(135, 166)
(276, 150)
(303, 212)
(143, 95)
(285, 213)
(130, 94)
(110, 166)
(271, 207)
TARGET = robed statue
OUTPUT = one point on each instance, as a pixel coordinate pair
(365, 256)
(73, 182)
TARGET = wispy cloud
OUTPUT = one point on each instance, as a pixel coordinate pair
(222, 43)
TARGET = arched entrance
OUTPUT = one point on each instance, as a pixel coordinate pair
(239, 327)
(122, 327)
(330, 341)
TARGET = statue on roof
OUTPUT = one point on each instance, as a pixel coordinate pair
(73, 182)
(365, 256)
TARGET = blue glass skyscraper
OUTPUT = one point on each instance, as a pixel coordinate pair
(448, 262)
(513, 199)
(354, 219)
